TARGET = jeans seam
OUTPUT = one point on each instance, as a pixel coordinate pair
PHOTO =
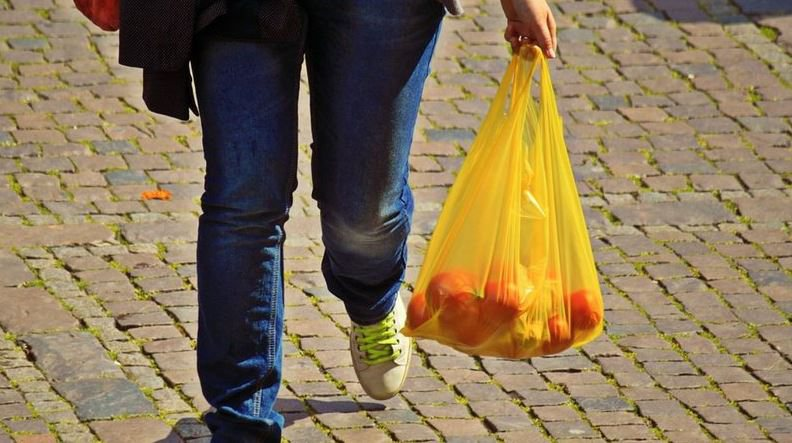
(257, 403)
(271, 327)
(404, 211)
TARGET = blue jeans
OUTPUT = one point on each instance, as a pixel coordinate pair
(367, 63)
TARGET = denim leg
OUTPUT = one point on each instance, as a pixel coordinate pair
(367, 63)
(247, 94)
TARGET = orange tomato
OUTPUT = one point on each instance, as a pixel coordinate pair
(559, 336)
(586, 312)
(417, 313)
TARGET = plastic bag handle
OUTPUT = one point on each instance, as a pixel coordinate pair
(536, 56)
(521, 82)
(547, 99)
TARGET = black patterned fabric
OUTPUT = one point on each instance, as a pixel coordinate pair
(157, 35)
(263, 20)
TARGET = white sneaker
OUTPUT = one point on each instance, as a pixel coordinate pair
(381, 354)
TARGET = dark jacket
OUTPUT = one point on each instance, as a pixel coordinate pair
(157, 35)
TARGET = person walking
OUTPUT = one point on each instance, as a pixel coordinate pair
(367, 62)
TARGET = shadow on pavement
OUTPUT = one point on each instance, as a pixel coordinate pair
(776, 14)
(724, 11)
(194, 430)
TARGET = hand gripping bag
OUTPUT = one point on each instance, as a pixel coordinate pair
(509, 270)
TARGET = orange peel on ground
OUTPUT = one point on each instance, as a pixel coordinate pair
(159, 194)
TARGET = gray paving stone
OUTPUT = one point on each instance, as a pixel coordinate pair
(763, 7)
(449, 134)
(570, 429)
(126, 177)
(134, 430)
(13, 270)
(53, 235)
(609, 102)
(114, 147)
(766, 209)
(69, 356)
(104, 398)
(10, 396)
(27, 310)
(14, 410)
(604, 404)
(165, 231)
(672, 213)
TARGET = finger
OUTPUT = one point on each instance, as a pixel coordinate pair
(511, 31)
(512, 43)
(551, 26)
(508, 33)
(519, 41)
(514, 37)
(544, 41)
(528, 40)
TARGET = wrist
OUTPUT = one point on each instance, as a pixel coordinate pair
(509, 11)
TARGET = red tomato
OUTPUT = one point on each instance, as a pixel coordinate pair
(459, 285)
(453, 294)
(559, 336)
(416, 311)
(586, 312)
(502, 302)
(461, 319)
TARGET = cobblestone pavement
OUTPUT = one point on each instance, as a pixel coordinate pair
(678, 121)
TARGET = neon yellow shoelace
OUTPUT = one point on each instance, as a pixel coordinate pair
(376, 341)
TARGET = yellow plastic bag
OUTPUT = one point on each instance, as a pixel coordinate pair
(509, 271)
